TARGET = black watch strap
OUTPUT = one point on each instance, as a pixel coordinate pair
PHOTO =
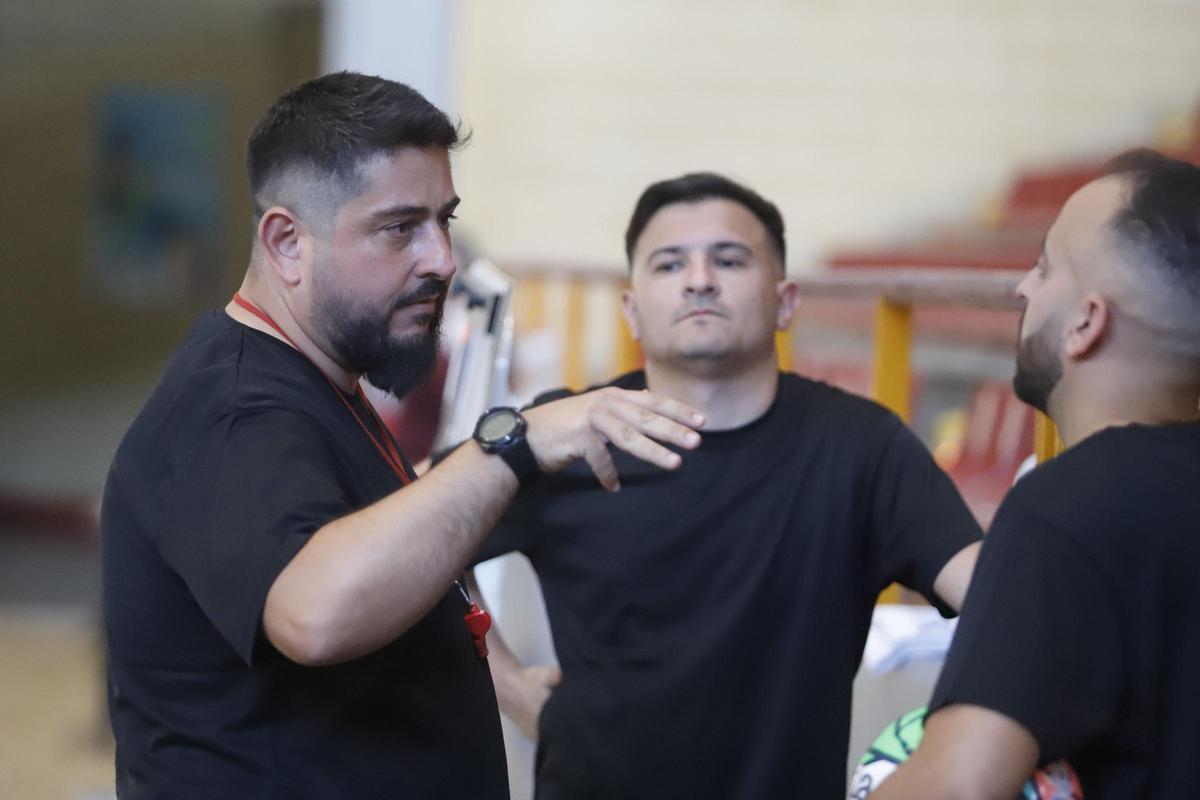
(501, 431)
(520, 459)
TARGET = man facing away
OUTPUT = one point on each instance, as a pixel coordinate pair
(1079, 638)
(709, 623)
(281, 610)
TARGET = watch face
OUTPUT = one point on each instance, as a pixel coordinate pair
(495, 427)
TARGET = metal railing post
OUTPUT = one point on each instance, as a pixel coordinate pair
(891, 381)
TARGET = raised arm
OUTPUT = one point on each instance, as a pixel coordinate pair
(364, 579)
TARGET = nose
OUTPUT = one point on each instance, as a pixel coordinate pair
(438, 258)
(1022, 289)
(700, 278)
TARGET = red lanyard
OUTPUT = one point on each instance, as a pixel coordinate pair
(478, 622)
(387, 447)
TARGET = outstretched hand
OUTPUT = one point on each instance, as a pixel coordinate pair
(635, 421)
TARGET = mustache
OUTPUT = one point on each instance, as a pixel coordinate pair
(428, 289)
(702, 304)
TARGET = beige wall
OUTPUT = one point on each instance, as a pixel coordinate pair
(865, 120)
(56, 59)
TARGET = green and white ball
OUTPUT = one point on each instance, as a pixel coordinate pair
(899, 740)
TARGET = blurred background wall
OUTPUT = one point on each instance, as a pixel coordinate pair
(869, 123)
(865, 121)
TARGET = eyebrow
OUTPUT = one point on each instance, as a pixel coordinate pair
(676, 249)
(731, 245)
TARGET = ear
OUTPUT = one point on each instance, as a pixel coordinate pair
(285, 243)
(629, 311)
(789, 299)
(1087, 326)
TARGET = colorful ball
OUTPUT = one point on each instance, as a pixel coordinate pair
(897, 742)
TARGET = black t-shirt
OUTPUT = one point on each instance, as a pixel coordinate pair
(1081, 622)
(709, 620)
(240, 454)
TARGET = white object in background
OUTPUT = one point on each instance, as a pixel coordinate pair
(480, 353)
(901, 634)
(477, 378)
(411, 41)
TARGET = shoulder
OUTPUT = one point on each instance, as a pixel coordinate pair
(1115, 491)
(634, 381)
(1082, 477)
(223, 371)
(836, 410)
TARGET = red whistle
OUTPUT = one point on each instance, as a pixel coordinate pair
(478, 623)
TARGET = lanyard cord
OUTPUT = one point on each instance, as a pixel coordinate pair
(387, 448)
(478, 621)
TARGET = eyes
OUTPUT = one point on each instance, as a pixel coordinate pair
(670, 265)
(403, 229)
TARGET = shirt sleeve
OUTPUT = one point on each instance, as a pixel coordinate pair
(919, 519)
(518, 530)
(1039, 639)
(257, 488)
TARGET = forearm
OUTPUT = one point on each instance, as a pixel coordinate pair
(953, 581)
(364, 579)
(968, 753)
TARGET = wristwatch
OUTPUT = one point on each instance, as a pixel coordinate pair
(501, 431)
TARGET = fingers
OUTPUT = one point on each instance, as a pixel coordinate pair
(597, 457)
(633, 421)
(640, 423)
(663, 406)
(650, 422)
(628, 438)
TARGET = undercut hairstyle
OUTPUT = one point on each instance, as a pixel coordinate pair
(311, 144)
(696, 187)
(1160, 224)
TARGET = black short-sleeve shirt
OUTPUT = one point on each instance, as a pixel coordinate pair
(241, 453)
(1081, 619)
(709, 620)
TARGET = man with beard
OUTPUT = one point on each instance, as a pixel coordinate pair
(709, 624)
(281, 609)
(1079, 639)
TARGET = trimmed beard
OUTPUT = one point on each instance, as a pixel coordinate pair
(1039, 368)
(362, 341)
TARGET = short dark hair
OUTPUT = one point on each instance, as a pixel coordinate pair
(1161, 217)
(332, 124)
(696, 187)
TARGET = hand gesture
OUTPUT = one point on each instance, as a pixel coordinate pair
(581, 426)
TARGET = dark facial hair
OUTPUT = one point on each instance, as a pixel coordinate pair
(1039, 369)
(363, 343)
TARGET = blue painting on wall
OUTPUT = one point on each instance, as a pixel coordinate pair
(155, 237)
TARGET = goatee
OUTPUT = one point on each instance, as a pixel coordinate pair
(364, 343)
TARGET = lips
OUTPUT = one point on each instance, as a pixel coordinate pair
(701, 312)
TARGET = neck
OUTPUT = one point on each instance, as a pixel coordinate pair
(727, 400)
(274, 305)
(1144, 397)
